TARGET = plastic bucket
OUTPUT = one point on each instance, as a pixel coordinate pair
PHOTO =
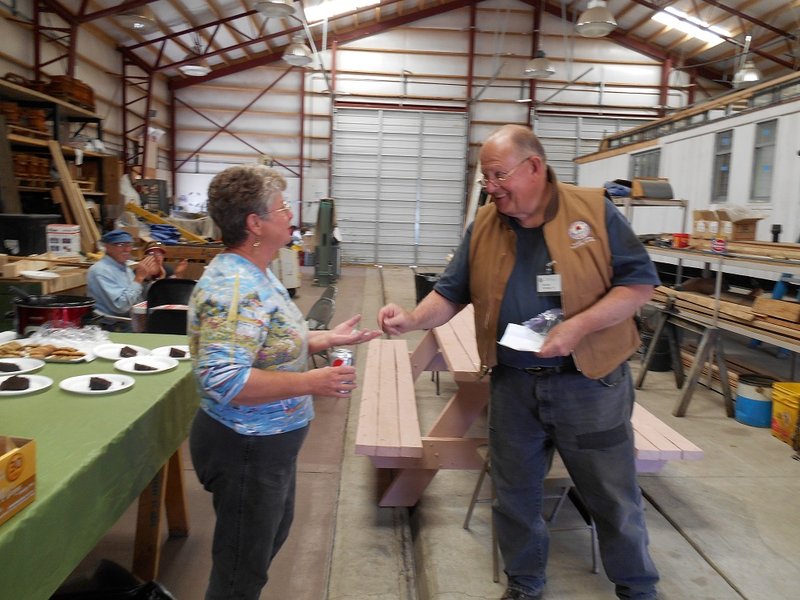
(785, 408)
(754, 401)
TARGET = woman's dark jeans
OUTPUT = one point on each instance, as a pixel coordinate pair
(252, 479)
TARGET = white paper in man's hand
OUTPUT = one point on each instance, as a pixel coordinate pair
(519, 337)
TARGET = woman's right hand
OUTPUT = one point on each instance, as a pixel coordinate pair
(338, 382)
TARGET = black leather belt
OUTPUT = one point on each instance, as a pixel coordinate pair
(555, 370)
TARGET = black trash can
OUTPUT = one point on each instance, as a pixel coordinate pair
(662, 360)
(110, 581)
(423, 284)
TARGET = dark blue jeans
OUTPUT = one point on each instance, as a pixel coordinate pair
(252, 479)
(588, 421)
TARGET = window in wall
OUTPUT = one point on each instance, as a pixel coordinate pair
(722, 166)
(645, 164)
(763, 161)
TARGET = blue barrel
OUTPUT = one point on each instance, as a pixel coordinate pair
(754, 400)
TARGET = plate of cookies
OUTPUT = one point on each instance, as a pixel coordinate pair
(53, 353)
(145, 365)
(101, 383)
(16, 385)
(178, 352)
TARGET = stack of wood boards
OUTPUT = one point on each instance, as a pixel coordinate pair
(770, 250)
(779, 317)
(73, 204)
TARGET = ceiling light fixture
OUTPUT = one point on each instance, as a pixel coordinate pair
(141, 20)
(195, 65)
(748, 74)
(297, 53)
(539, 67)
(274, 8)
(596, 21)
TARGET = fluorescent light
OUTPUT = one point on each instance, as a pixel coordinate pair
(331, 8)
(713, 35)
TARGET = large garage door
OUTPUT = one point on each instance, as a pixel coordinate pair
(399, 184)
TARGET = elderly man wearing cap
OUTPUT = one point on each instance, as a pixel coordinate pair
(114, 286)
(157, 251)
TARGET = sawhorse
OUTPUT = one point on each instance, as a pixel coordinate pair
(710, 347)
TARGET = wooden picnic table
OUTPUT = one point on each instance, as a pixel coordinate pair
(389, 429)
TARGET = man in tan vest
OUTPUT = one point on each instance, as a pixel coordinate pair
(540, 245)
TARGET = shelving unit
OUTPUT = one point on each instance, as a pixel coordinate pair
(95, 177)
(61, 112)
(710, 326)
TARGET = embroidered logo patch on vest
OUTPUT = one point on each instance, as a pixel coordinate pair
(580, 233)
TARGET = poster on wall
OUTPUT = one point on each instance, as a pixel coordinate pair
(192, 192)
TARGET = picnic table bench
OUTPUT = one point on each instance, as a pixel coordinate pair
(388, 424)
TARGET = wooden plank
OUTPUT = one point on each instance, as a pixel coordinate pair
(780, 309)
(408, 419)
(9, 196)
(367, 432)
(388, 443)
(75, 200)
(644, 418)
(58, 198)
(388, 423)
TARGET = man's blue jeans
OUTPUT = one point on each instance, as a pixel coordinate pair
(588, 421)
(252, 479)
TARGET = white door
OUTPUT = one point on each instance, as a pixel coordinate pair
(399, 184)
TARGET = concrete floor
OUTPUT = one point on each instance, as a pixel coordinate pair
(725, 527)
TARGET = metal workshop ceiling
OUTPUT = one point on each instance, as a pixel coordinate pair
(232, 36)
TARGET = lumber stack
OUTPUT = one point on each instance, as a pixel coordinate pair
(772, 316)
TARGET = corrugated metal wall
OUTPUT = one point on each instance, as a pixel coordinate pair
(399, 184)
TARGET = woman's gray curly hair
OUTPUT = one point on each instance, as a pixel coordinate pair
(238, 192)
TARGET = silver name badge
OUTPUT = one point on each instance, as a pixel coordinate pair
(548, 285)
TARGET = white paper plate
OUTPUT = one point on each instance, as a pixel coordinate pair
(80, 383)
(111, 351)
(39, 274)
(26, 365)
(159, 364)
(38, 383)
(164, 351)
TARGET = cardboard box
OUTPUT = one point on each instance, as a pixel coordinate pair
(17, 475)
(64, 240)
(704, 224)
(736, 229)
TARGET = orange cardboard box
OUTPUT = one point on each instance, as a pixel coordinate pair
(17, 475)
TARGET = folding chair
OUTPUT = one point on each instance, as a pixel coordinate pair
(319, 318)
(556, 478)
(168, 292)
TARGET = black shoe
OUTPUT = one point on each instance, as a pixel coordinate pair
(512, 594)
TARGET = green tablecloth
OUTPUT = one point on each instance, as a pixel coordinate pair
(94, 456)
